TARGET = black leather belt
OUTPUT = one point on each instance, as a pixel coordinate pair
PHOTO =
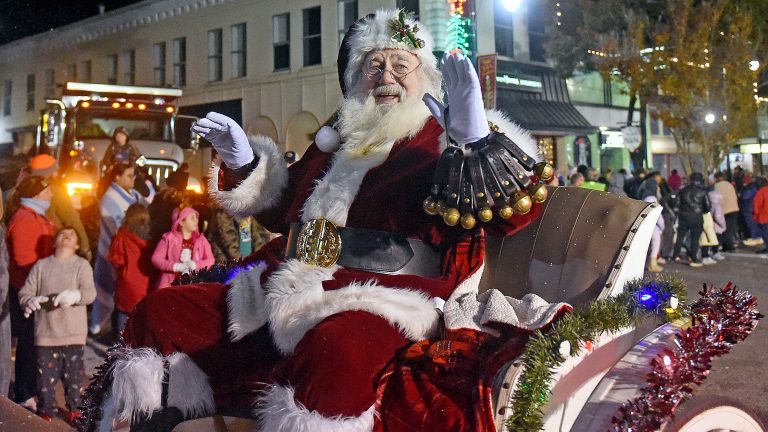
(319, 242)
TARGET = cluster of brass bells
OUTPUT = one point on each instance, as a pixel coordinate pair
(519, 203)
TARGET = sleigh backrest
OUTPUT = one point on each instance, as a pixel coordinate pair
(585, 245)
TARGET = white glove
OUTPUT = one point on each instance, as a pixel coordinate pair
(467, 122)
(191, 265)
(180, 267)
(34, 304)
(227, 137)
(67, 298)
(186, 255)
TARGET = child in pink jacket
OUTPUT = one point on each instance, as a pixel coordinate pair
(182, 249)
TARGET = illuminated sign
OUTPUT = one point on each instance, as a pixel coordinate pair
(524, 83)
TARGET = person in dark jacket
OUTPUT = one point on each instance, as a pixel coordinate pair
(694, 202)
(746, 205)
(670, 205)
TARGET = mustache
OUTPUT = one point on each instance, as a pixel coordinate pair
(389, 90)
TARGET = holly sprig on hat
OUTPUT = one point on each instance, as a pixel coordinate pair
(403, 32)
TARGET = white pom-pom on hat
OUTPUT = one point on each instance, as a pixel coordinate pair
(328, 139)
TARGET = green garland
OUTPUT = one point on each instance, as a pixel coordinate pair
(641, 298)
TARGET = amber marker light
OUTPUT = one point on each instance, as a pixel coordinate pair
(115, 104)
(85, 104)
(129, 105)
(169, 109)
(142, 106)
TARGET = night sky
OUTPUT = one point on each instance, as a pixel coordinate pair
(21, 18)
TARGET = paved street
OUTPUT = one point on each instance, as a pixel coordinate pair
(740, 374)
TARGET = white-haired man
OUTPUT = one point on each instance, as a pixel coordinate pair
(311, 320)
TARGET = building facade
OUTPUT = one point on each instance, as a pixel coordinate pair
(271, 65)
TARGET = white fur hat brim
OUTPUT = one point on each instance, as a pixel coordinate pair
(373, 33)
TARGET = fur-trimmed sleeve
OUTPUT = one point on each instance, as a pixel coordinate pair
(518, 135)
(261, 189)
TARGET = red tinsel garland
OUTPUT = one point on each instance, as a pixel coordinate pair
(719, 319)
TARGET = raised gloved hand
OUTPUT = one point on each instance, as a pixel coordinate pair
(67, 298)
(467, 122)
(34, 304)
(180, 267)
(186, 255)
(227, 137)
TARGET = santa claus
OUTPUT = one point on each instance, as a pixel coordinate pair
(303, 330)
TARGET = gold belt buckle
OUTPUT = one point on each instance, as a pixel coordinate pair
(318, 243)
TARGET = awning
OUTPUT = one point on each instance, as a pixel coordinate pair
(543, 117)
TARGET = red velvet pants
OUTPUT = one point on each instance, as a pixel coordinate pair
(334, 369)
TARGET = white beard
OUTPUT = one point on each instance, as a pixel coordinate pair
(364, 125)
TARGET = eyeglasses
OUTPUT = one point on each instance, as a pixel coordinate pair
(399, 71)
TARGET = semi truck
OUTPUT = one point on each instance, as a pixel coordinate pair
(77, 129)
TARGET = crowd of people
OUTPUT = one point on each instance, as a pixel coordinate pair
(56, 291)
(702, 216)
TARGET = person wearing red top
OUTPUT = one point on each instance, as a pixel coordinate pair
(182, 249)
(131, 255)
(760, 210)
(30, 239)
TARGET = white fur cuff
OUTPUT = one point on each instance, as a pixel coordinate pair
(279, 412)
(246, 302)
(137, 386)
(518, 135)
(262, 188)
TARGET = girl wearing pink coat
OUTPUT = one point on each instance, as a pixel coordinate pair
(182, 249)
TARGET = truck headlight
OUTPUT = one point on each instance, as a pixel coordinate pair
(78, 187)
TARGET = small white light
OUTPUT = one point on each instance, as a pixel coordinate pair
(565, 349)
(673, 302)
(709, 118)
(754, 65)
(512, 5)
(603, 128)
(667, 361)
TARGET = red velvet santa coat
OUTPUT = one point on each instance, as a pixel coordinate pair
(380, 191)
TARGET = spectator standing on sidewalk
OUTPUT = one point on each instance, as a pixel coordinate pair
(131, 255)
(694, 202)
(116, 200)
(30, 239)
(730, 210)
(675, 180)
(5, 317)
(183, 249)
(710, 253)
(61, 212)
(57, 291)
(616, 184)
(746, 206)
(576, 180)
(670, 205)
(649, 192)
(760, 210)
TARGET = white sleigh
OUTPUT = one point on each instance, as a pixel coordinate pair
(586, 245)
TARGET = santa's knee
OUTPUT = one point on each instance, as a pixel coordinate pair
(334, 370)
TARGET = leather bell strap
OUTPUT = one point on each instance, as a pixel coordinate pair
(379, 252)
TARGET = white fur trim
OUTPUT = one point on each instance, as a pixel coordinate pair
(518, 135)
(137, 386)
(375, 34)
(137, 383)
(327, 139)
(188, 387)
(246, 302)
(474, 312)
(280, 412)
(297, 302)
(108, 414)
(262, 188)
(333, 194)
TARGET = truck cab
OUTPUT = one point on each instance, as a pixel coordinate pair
(77, 130)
